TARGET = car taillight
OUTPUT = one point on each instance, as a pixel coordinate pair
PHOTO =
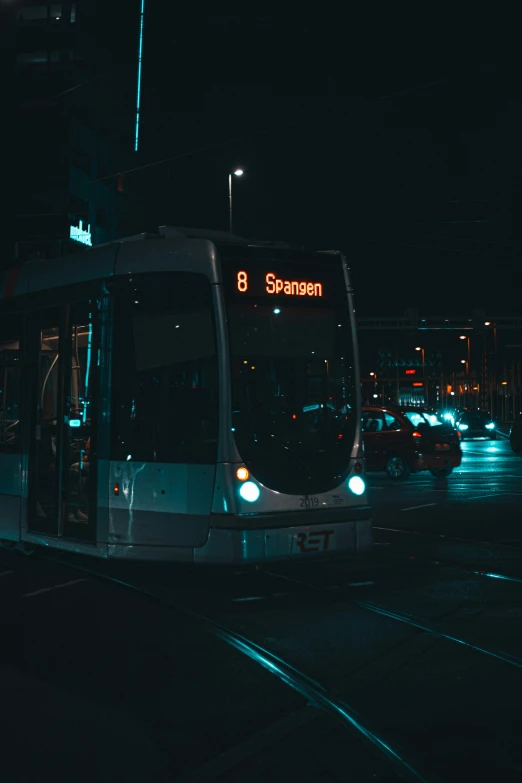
(417, 437)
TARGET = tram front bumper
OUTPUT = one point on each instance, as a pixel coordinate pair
(263, 538)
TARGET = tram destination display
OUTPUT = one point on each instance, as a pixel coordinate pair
(295, 281)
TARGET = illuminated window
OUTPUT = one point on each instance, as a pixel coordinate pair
(391, 423)
(371, 421)
(415, 418)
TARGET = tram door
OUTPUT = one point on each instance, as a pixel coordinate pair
(62, 483)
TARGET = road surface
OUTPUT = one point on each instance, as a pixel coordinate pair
(406, 664)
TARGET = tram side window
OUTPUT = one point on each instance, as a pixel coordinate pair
(165, 389)
(10, 390)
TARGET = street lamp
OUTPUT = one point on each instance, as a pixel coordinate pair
(374, 376)
(237, 173)
(466, 385)
(494, 388)
(418, 348)
(465, 337)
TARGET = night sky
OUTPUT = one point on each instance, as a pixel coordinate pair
(402, 150)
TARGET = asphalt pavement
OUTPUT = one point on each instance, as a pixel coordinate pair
(482, 498)
(406, 664)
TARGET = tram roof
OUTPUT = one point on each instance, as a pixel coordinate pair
(194, 247)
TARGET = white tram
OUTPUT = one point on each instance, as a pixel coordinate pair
(186, 396)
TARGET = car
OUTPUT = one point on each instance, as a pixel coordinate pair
(475, 424)
(404, 440)
(448, 416)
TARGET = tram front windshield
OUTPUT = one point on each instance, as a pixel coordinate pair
(293, 381)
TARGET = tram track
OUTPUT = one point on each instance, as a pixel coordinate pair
(287, 725)
(468, 569)
(444, 537)
(415, 622)
(318, 698)
(441, 563)
(464, 567)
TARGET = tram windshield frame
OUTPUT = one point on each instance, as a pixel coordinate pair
(293, 374)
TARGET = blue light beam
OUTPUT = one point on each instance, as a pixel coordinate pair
(138, 84)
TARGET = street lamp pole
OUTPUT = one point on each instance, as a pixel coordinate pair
(418, 348)
(237, 173)
(468, 367)
(375, 394)
(230, 201)
(466, 377)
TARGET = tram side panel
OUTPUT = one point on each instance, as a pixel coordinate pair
(10, 496)
(164, 412)
(154, 506)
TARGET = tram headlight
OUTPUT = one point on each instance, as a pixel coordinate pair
(356, 485)
(249, 491)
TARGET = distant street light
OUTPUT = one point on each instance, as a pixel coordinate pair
(418, 348)
(237, 173)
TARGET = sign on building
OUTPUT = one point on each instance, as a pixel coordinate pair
(81, 234)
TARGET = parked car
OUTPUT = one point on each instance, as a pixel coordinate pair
(403, 440)
(476, 424)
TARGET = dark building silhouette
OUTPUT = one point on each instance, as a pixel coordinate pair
(75, 75)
